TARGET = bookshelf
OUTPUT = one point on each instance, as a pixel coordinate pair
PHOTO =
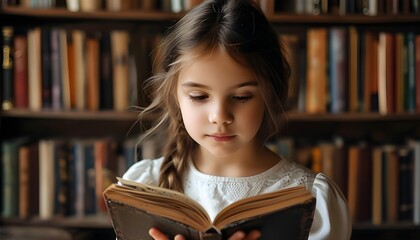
(305, 129)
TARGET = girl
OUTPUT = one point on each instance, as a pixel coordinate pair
(220, 96)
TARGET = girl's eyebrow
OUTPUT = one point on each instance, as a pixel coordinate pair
(199, 85)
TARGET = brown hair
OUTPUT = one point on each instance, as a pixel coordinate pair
(240, 28)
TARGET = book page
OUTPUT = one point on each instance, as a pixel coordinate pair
(161, 191)
(262, 204)
(160, 201)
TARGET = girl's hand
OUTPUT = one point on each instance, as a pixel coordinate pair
(253, 235)
(158, 235)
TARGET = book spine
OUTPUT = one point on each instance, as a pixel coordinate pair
(20, 57)
(90, 201)
(338, 81)
(79, 41)
(417, 67)
(9, 181)
(405, 158)
(7, 69)
(92, 73)
(64, 66)
(73, 5)
(60, 177)
(353, 69)
(399, 73)
(46, 179)
(106, 85)
(416, 173)
(90, 6)
(411, 72)
(382, 96)
(119, 46)
(56, 86)
(34, 69)
(24, 182)
(176, 5)
(46, 87)
(316, 86)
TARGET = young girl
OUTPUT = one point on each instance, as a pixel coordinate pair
(220, 96)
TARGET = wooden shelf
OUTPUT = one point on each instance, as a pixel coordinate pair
(47, 124)
(96, 221)
(386, 226)
(156, 15)
(62, 13)
(71, 115)
(132, 115)
(352, 117)
(345, 19)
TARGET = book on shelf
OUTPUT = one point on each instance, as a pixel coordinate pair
(56, 74)
(7, 68)
(417, 67)
(46, 68)
(359, 182)
(292, 43)
(119, 52)
(20, 57)
(79, 39)
(353, 69)
(316, 78)
(28, 177)
(34, 69)
(134, 208)
(92, 73)
(337, 71)
(9, 169)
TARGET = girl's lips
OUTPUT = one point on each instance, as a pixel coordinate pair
(221, 138)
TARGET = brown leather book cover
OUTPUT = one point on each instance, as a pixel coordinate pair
(135, 208)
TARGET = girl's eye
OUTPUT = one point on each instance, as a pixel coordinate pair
(241, 99)
(198, 98)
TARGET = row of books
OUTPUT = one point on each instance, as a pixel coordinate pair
(381, 182)
(343, 7)
(52, 178)
(73, 69)
(107, 5)
(315, 7)
(345, 69)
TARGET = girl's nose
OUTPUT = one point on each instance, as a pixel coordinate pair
(221, 114)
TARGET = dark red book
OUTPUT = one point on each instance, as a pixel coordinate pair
(21, 71)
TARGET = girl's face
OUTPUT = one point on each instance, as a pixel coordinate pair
(221, 104)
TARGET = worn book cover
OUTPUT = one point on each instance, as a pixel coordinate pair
(134, 208)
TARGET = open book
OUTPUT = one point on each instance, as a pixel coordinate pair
(134, 208)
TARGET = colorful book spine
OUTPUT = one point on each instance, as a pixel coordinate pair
(338, 67)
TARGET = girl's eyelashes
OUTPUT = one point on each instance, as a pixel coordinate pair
(236, 98)
(242, 99)
(197, 98)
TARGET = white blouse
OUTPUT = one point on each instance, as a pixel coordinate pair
(331, 220)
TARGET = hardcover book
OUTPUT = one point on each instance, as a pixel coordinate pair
(134, 208)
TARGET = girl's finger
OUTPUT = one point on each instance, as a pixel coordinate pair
(157, 235)
(238, 236)
(253, 235)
